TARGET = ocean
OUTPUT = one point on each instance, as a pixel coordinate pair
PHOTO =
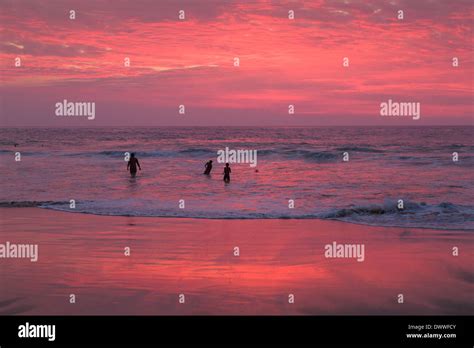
(301, 164)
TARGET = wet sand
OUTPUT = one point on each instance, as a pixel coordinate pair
(84, 255)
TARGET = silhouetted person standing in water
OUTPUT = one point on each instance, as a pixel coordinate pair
(208, 166)
(132, 165)
(227, 172)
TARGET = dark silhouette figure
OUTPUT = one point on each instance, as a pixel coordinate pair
(132, 165)
(208, 166)
(227, 172)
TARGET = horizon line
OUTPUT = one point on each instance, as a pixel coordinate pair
(242, 126)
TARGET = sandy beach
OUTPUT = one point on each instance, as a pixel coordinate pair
(83, 254)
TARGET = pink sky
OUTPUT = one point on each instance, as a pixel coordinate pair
(190, 62)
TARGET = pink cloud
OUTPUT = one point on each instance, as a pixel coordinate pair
(282, 61)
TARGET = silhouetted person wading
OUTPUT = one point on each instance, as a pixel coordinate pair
(132, 165)
(208, 166)
(227, 172)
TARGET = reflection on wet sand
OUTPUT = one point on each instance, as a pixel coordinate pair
(85, 255)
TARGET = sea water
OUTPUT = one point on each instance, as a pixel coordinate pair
(384, 166)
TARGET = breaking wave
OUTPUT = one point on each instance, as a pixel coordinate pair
(445, 215)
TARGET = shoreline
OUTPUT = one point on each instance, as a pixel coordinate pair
(267, 218)
(34, 204)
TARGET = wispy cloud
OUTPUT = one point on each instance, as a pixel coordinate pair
(281, 60)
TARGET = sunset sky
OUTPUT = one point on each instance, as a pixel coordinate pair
(191, 61)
